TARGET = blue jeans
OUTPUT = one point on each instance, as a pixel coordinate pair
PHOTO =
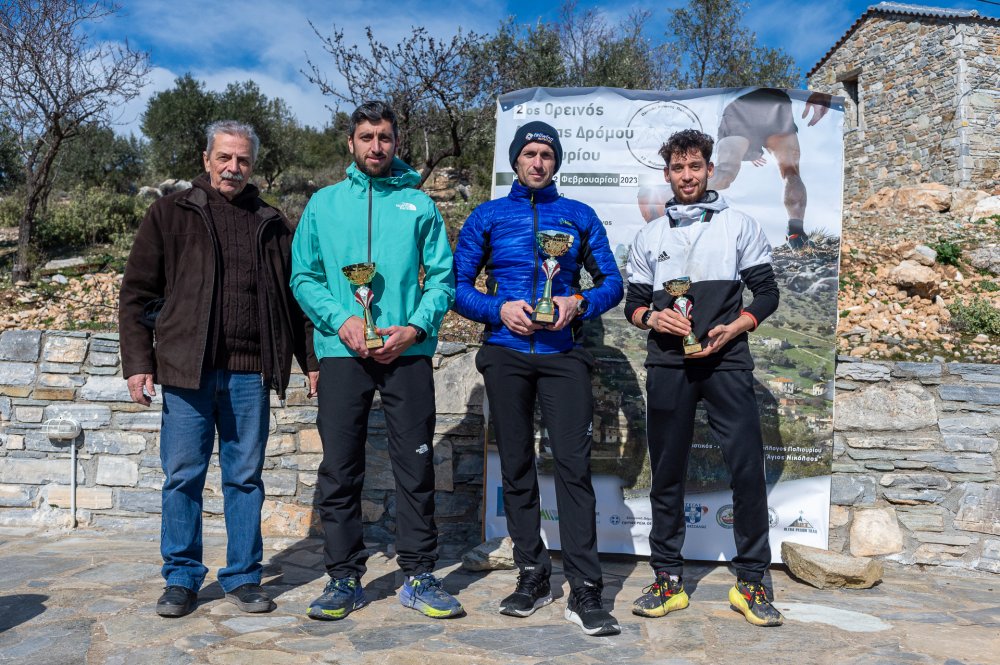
(235, 404)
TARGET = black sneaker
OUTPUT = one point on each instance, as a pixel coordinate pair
(661, 597)
(750, 599)
(584, 608)
(532, 591)
(176, 601)
(251, 598)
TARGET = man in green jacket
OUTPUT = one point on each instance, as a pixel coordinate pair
(375, 216)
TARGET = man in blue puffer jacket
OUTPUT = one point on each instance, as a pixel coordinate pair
(521, 358)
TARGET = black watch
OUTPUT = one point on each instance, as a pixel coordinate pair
(421, 333)
(645, 317)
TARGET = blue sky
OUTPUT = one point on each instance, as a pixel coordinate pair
(268, 40)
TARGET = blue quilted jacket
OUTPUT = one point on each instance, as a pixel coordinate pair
(499, 236)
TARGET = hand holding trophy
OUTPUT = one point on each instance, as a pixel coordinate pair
(682, 305)
(553, 244)
(361, 275)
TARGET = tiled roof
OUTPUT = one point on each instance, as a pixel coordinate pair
(901, 9)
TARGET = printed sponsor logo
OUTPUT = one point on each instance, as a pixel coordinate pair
(800, 525)
(772, 517)
(693, 512)
(630, 520)
(549, 515)
(538, 136)
(724, 516)
(406, 205)
(615, 520)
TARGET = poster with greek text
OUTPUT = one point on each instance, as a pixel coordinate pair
(778, 156)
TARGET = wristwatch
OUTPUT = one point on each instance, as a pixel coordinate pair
(645, 317)
(582, 304)
(421, 333)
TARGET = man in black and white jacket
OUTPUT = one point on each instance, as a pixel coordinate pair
(721, 250)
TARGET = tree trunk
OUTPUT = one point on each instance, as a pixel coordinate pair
(22, 266)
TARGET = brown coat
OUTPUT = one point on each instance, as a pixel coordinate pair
(175, 256)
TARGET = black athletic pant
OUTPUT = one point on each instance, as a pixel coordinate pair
(672, 395)
(346, 389)
(562, 382)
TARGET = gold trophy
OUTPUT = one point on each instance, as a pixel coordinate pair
(361, 275)
(683, 306)
(553, 244)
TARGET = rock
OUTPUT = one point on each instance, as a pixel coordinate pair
(924, 255)
(824, 569)
(149, 193)
(927, 196)
(173, 185)
(985, 258)
(915, 279)
(494, 554)
(963, 201)
(987, 207)
(60, 279)
(875, 531)
(883, 198)
(881, 407)
(64, 264)
(458, 386)
(979, 509)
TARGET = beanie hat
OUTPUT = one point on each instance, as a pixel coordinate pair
(535, 132)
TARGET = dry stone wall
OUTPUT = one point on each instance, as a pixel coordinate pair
(927, 105)
(48, 375)
(915, 463)
(914, 476)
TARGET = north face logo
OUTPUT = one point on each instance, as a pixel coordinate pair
(662, 257)
(405, 205)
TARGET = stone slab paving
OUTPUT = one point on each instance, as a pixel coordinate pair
(86, 597)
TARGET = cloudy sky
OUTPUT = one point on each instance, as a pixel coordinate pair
(269, 40)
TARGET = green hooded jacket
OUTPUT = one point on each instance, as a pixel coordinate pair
(406, 234)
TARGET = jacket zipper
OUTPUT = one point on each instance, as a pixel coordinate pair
(534, 273)
(369, 221)
(275, 363)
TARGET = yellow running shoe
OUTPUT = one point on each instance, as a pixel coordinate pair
(661, 597)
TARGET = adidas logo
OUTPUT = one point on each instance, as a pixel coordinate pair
(662, 257)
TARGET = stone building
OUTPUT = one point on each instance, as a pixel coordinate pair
(922, 98)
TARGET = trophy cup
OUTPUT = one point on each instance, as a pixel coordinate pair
(553, 244)
(360, 275)
(682, 305)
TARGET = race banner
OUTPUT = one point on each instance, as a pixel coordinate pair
(778, 157)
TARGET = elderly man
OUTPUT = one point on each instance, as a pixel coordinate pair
(210, 266)
(376, 216)
(526, 357)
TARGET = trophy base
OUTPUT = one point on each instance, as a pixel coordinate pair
(543, 317)
(692, 348)
(376, 343)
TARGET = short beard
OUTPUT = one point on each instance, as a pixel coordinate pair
(360, 163)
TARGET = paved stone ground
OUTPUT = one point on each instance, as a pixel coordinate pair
(87, 597)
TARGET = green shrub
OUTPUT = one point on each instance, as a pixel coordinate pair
(89, 217)
(976, 316)
(10, 210)
(948, 253)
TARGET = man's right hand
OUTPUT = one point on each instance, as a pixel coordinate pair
(514, 315)
(670, 322)
(352, 334)
(136, 384)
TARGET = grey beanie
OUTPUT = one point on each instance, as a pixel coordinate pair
(535, 132)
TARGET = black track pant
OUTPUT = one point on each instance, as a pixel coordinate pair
(346, 389)
(672, 395)
(562, 382)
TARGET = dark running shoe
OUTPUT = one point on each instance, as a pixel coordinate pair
(532, 591)
(661, 597)
(797, 241)
(341, 596)
(585, 609)
(750, 599)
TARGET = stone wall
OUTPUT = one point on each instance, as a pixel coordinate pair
(915, 463)
(50, 375)
(925, 88)
(914, 476)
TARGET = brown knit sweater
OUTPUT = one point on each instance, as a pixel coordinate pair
(235, 322)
